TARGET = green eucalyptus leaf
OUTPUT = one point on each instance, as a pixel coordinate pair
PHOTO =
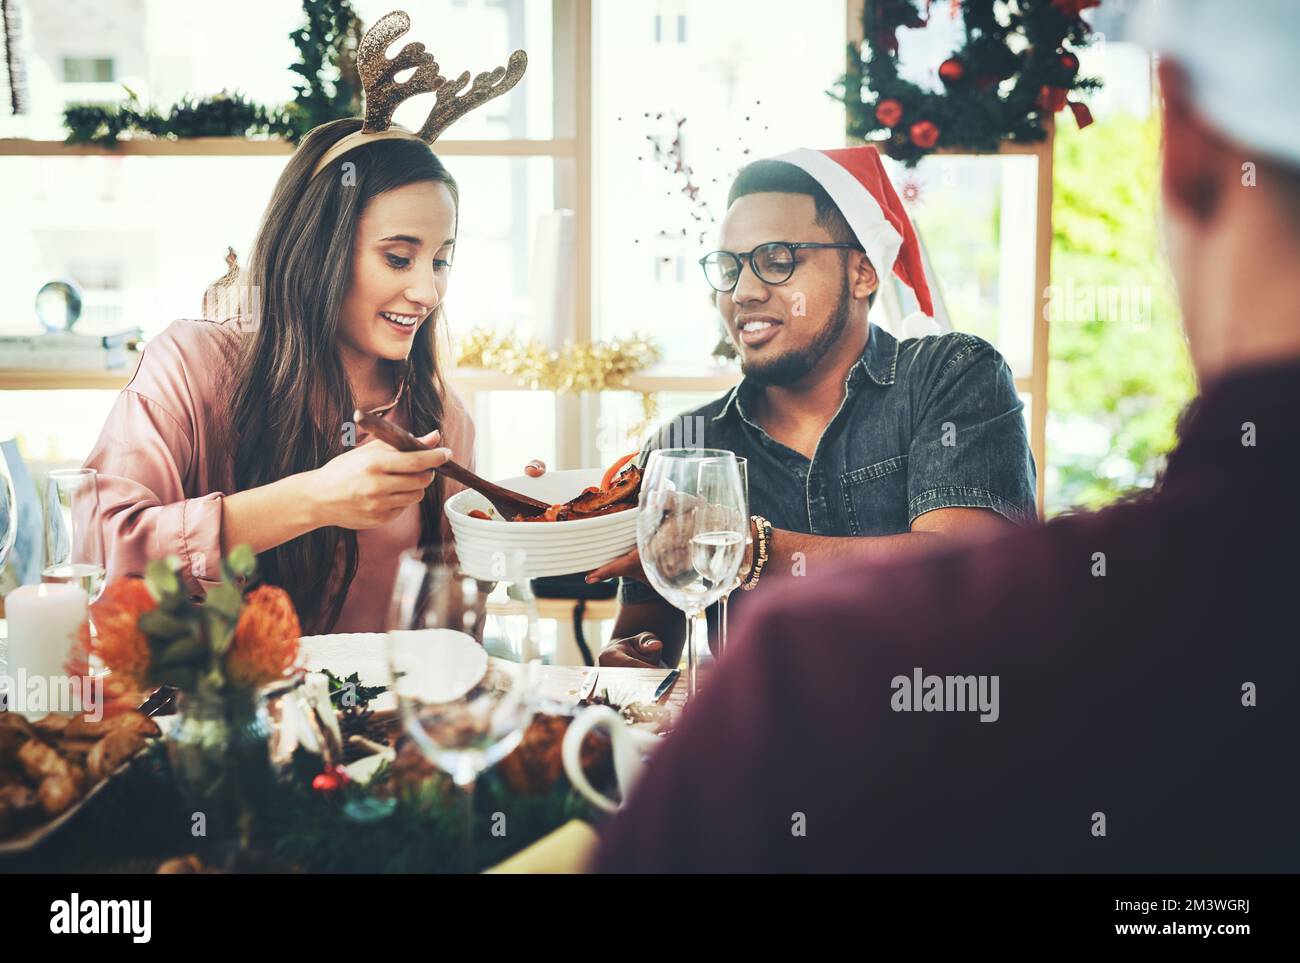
(225, 600)
(242, 561)
(220, 633)
(163, 581)
(187, 651)
(161, 625)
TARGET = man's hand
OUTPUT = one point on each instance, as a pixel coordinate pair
(642, 651)
(625, 566)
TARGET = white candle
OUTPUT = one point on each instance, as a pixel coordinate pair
(44, 623)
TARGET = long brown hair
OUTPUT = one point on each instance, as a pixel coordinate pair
(290, 398)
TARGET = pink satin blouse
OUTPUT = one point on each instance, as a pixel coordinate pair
(164, 468)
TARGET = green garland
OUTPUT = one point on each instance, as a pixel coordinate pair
(327, 48)
(1014, 70)
(353, 831)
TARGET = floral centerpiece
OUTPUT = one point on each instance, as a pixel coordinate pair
(218, 652)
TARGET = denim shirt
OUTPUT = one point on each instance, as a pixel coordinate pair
(925, 423)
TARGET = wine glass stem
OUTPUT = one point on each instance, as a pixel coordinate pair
(722, 624)
(692, 657)
(467, 834)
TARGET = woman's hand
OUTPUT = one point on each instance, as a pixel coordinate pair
(372, 484)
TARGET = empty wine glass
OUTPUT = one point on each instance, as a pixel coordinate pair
(74, 539)
(462, 653)
(691, 532)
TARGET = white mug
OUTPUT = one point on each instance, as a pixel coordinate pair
(630, 747)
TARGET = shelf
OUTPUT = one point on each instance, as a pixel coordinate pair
(63, 379)
(268, 147)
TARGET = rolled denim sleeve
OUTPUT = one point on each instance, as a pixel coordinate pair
(970, 448)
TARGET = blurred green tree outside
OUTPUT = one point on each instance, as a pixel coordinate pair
(1119, 370)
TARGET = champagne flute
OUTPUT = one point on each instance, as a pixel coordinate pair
(74, 538)
(742, 466)
(462, 655)
(691, 532)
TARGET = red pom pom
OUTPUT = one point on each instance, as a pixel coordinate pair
(889, 112)
(924, 134)
(951, 70)
(1069, 62)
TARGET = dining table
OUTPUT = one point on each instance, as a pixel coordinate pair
(125, 835)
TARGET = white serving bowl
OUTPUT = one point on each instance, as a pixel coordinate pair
(550, 548)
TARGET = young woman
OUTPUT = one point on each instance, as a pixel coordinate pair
(240, 430)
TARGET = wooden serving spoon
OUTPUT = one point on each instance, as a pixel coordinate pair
(508, 503)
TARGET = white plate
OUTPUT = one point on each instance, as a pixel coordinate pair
(437, 665)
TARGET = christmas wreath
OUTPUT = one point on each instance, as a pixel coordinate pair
(1015, 69)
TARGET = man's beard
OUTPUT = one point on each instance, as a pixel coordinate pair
(794, 366)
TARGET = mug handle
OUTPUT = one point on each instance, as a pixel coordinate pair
(593, 717)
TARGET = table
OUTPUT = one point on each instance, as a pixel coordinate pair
(365, 654)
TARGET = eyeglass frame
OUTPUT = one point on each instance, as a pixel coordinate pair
(790, 246)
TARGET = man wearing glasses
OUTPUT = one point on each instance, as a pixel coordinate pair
(858, 445)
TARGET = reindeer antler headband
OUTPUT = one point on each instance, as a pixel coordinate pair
(383, 93)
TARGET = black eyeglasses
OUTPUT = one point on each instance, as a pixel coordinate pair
(772, 263)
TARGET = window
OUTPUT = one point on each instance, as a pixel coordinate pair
(144, 233)
(88, 70)
(722, 98)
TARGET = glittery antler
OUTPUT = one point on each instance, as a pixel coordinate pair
(449, 107)
(384, 93)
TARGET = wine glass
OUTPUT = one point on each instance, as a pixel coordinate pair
(8, 532)
(74, 538)
(742, 466)
(8, 511)
(462, 652)
(691, 532)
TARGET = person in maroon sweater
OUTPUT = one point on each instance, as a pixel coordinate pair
(1111, 692)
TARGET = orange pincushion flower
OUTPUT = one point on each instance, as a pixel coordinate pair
(265, 646)
(120, 643)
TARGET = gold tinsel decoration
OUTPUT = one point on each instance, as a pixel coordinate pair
(597, 366)
(594, 366)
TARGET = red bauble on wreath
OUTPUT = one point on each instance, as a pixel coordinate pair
(924, 134)
(889, 112)
(951, 71)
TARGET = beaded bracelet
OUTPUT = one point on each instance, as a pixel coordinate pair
(763, 532)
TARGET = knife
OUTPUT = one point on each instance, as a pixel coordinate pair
(667, 684)
(588, 685)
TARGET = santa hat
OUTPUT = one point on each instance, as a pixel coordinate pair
(856, 181)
